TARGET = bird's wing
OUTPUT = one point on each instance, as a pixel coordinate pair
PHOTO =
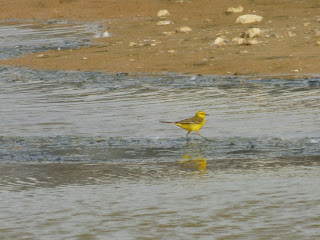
(192, 120)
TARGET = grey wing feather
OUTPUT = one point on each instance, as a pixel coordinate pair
(189, 121)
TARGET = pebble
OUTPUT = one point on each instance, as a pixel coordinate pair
(243, 41)
(253, 32)
(316, 33)
(163, 13)
(239, 41)
(163, 23)
(42, 56)
(248, 19)
(318, 43)
(220, 41)
(183, 29)
(235, 10)
(253, 42)
(105, 34)
(172, 51)
(291, 34)
(132, 44)
(168, 33)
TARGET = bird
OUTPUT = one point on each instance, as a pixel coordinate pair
(192, 124)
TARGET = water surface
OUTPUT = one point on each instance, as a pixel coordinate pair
(83, 156)
(18, 37)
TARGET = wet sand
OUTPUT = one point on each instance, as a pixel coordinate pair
(288, 40)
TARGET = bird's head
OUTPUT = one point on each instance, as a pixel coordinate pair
(201, 114)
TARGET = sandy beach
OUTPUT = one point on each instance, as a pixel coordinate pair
(288, 43)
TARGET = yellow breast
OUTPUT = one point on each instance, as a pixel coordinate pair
(192, 126)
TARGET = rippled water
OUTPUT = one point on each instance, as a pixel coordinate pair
(93, 104)
(83, 156)
(20, 37)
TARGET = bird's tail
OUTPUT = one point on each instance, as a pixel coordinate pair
(165, 122)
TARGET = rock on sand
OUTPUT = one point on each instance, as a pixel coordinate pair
(239, 41)
(316, 33)
(168, 33)
(253, 32)
(235, 10)
(162, 23)
(106, 34)
(183, 29)
(243, 41)
(220, 41)
(163, 13)
(249, 19)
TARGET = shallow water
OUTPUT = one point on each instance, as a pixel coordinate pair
(94, 104)
(161, 201)
(83, 155)
(20, 37)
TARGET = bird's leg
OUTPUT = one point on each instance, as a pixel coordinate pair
(202, 136)
(187, 135)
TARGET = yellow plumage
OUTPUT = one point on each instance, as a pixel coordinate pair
(192, 124)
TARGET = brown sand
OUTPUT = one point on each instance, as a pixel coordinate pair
(193, 52)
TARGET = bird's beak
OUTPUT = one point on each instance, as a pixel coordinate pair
(207, 115)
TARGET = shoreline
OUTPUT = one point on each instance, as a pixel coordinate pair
(288, 42)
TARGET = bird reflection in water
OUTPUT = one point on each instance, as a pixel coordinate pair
(198, 163)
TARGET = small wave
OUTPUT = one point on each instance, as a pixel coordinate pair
(102, 149)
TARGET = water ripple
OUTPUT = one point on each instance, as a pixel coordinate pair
(131, 106)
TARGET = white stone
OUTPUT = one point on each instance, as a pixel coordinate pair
(132, 44)
(316, 33)
(183, 29)
(248, 19)
(42, 56)
(253, 42)
(105, 34)
(235, 10)
(168, 33)
(239, 41)
(162, 23)
(291, 34)
(220, 41)
(253, 32)
(163, 13)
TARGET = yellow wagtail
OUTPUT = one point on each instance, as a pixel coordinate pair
(192, 124)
